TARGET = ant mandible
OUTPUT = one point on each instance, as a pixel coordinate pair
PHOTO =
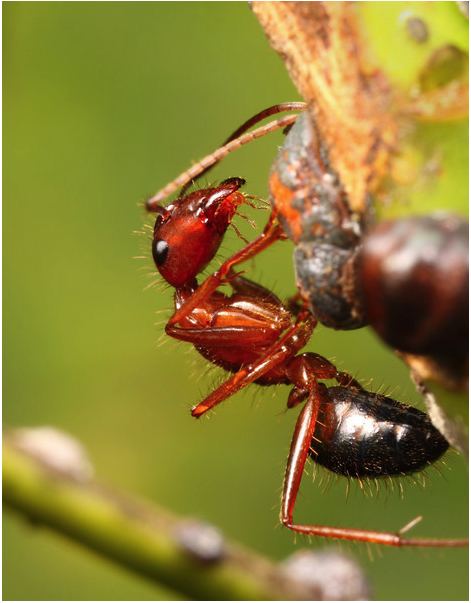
(347, 429)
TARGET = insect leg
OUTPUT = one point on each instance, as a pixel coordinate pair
(299, 451)
(293, 340)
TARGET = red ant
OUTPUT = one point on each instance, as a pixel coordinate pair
(347, 429)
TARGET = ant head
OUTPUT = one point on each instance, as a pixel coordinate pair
(187, 233)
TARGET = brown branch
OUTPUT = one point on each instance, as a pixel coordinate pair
(349, 99)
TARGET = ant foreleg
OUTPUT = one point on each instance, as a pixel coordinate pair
(292, 341)
(271, 233)
(303, 439)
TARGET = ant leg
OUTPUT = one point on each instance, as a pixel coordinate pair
(271, 233)
(292, 341)
(299, 451)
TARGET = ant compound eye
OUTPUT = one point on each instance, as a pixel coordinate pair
(159, 251)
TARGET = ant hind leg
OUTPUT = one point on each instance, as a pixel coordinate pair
(298, 454)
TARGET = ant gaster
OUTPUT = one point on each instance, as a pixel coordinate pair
(347, 429)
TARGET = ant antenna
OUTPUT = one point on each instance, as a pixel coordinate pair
(279, 108)
(255, 119)
(234, 143)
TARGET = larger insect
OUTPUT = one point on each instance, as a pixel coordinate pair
(347, 429)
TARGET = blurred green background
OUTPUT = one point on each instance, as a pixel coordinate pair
(103, 104)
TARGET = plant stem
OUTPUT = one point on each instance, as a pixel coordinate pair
(134, 534)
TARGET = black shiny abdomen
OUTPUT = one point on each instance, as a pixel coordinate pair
(362, 434)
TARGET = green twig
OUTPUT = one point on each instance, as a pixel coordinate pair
(138, 536)
(128, 532)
